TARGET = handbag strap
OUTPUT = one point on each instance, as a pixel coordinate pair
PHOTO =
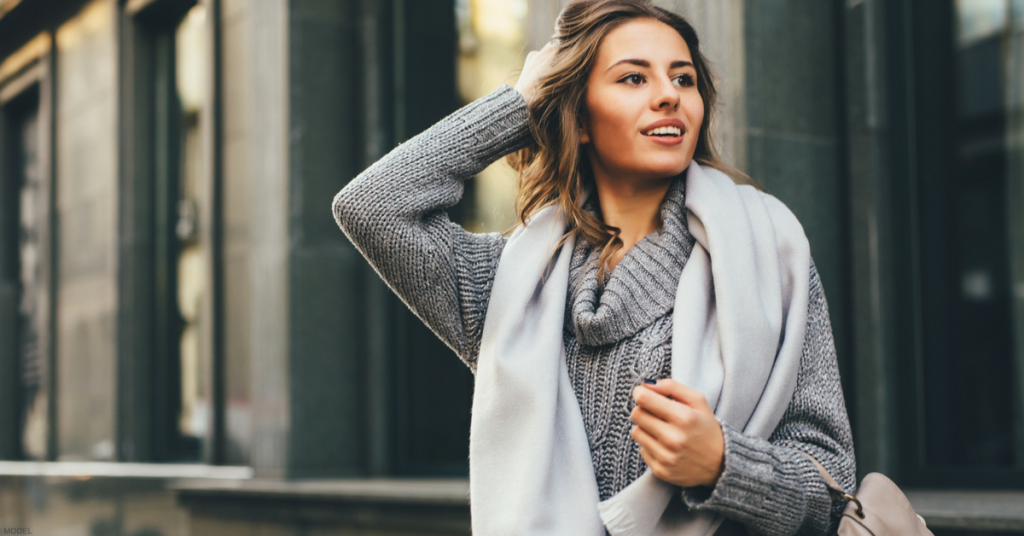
(835, 491)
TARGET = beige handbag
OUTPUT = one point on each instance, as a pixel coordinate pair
(878, 509)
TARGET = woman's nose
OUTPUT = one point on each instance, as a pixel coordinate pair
(665, 95)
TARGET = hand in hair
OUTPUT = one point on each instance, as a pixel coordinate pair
(679, 437)
(538, 63)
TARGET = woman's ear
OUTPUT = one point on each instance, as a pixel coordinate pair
(583, 126)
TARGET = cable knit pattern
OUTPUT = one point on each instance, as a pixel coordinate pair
(394, 213)
(642, 287)
(618, 335)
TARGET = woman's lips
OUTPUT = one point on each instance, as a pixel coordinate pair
(663, 130)
(666, 122)
(665, 140)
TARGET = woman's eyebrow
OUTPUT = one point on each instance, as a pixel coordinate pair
(644, 63)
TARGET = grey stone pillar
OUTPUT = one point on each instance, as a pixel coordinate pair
(326, 346)
(305, 346)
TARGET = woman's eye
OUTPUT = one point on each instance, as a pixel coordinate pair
(685, 80)
(633, 79)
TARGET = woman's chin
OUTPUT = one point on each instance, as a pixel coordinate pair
(668, 170)
(651, 168)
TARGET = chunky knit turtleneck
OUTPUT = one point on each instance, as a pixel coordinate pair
(614, 336)
(642, 287)
(620, 333)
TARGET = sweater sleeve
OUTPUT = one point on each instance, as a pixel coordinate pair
(394, 213)
(769, 485)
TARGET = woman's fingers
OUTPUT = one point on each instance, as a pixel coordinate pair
(659, 459)
(655, 451)
(661, 406)
(679, 392)
(538, 63)
(657, 428)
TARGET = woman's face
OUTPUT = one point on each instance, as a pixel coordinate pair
(643, 109)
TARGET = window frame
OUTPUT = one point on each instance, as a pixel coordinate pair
(148, 366)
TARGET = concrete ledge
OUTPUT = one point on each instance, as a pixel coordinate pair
(125, 470)
(391, 506)
(970, 510)
(454, 492)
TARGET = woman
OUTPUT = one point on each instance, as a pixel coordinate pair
(652, 347)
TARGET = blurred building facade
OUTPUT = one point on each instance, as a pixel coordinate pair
(176, 301)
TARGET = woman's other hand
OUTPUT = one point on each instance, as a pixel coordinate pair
(679, 437)
(538, 63)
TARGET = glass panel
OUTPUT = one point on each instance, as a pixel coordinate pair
(34, 425)
(87, 230)
(492, 49)
(971, 234)
(190, 75)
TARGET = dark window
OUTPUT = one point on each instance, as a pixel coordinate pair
(21, 276)
(173, 35)
(967, 207)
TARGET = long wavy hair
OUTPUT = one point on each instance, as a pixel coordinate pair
(554, 169)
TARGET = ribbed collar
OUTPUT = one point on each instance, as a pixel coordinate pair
(641, 289)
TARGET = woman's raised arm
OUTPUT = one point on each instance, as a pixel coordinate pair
(394, 213)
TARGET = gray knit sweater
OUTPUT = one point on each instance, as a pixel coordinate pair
(615, 334)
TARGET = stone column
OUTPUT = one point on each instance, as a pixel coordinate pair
(305, 363)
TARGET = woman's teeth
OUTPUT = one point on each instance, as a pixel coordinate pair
(664, 131)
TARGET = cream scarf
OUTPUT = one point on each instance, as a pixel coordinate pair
(738, 332)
